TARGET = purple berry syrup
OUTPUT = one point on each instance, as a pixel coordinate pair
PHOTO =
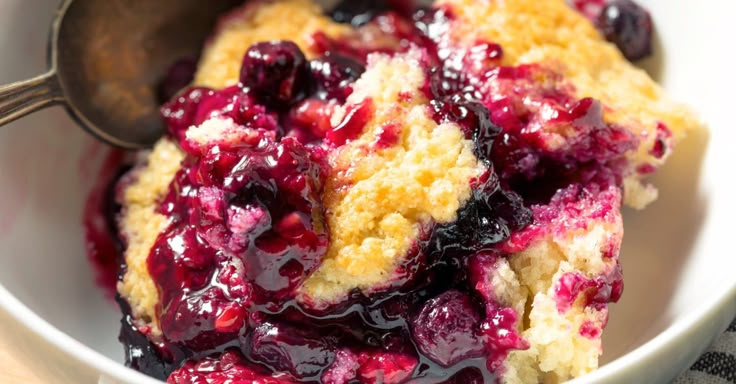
(248, 225)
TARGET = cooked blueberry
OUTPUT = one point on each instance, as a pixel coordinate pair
(178, 76)
(358, 13)
(444, 82)
(445, 328)
(454, 101)
(276, 72)
(140, 353)
(629, 26)
(474, 119)
(246, 224)
(192, 319)
(490, 216)
(333, 75)
(291, 349)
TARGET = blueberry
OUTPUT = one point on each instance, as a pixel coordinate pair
(629, 26)
(454, 101)
(485, 131)
(178, 76)
(445, 329)
(490, 216)
(445, 82)
(358, 13)
(276, 73)
(473, 118)
(333, 75)
(140, 353)
(293, 350)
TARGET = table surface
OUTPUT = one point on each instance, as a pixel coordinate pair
(13, 368)
(25, 358)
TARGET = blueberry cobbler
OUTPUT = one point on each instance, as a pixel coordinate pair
(380, 193)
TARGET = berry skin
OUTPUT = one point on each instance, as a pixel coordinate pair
(276, 73)
(292, 349)
(333, 76)
(178, 76)
(445, 329)
(629, 26)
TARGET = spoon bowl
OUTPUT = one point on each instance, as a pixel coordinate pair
(106, 61)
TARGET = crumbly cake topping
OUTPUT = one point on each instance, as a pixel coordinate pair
(141, 224)
(563, 261)
(379, 198)
(549, 32)
(258, 21)
(360, 196)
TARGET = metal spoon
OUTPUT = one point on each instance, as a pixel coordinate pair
(106, 58)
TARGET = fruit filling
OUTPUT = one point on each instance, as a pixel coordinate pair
(390, 194)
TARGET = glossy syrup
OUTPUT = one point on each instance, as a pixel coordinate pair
(247, 223)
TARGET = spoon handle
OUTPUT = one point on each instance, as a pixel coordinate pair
(24, 97)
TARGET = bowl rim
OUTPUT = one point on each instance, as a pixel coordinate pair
(74, 349)
(700, 321)
(708, 319)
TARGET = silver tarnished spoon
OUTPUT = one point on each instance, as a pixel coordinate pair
(106, 59)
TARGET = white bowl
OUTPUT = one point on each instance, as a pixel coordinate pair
(678, 257)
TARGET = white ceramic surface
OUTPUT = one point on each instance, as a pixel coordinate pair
(680, 267)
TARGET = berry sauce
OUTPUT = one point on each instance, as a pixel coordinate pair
(103, 246)
(247, 224)
(247, 227)
(591, 9)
